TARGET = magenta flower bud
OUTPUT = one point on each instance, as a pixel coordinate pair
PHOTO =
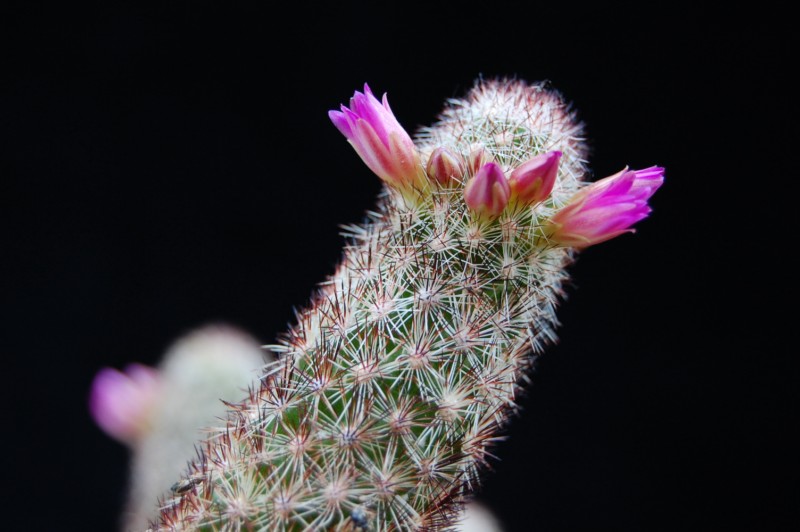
(606, 209)
(444, 165)
(532, 181)
(120, 402)
(487, 193)
(478, 156)
(380, 141)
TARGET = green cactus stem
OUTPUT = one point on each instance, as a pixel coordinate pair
(397, 379)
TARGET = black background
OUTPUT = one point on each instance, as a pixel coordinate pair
(165, 167)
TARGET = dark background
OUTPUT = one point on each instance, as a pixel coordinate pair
(170, 166)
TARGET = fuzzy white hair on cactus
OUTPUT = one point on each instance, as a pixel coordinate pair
(397, 379)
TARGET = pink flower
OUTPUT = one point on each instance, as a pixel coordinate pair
(607, 208)
(487, 193)
(380, 141)
(532, 181)
(120, 402)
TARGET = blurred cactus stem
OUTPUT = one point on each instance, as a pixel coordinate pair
(161, 414)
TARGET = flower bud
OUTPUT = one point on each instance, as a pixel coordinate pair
(487, 193)
(444, 165)
(478, 156)
(120, 402)
(532, 181)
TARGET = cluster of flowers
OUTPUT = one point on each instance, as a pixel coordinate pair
(598, 212)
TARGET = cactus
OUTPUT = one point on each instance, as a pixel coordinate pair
(159, 413)
(391, 388)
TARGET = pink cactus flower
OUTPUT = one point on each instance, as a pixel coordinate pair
(120, 402)
(606, 209)
(380, 141)
(487, 193)
(532, 181)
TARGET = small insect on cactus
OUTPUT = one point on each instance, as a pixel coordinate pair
(395, 382)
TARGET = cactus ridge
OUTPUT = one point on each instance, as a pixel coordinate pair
(395, 382)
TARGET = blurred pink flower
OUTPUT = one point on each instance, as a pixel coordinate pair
(120, 402)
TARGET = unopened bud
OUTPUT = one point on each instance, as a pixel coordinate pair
(444, 165)
(487, 193)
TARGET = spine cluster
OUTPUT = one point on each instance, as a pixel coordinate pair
(394, 383)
